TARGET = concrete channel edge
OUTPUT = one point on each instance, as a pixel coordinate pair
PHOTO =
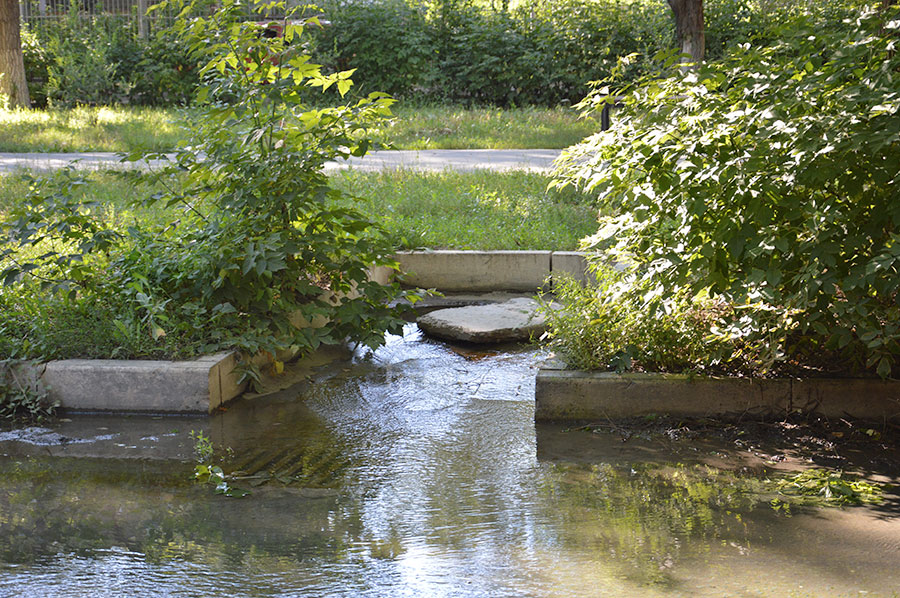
(568, 395)
(204, 384)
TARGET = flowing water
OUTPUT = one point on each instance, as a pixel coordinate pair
(415, 471)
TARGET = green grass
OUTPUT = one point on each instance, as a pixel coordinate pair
(455, 127)
(110, 188)
(88, 129)
(123, 129)
(459, 210)
(471, 210)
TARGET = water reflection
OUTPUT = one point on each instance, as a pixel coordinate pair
(417, 471)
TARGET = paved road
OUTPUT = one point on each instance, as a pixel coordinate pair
(540, 160)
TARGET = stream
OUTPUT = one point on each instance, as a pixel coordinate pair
(417, 470)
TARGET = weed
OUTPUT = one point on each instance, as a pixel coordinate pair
(831, 487)
(22, 393)
(206, 472)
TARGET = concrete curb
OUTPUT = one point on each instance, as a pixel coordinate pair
(204, 384)
(152, 386)
(484, 271)
(197, 386)
(576, 395)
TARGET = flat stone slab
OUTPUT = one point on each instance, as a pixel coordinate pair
(575, 395)
(513, 320)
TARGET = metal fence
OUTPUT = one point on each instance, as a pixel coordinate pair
(131, 13)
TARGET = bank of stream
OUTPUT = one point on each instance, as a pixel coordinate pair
(417, 470)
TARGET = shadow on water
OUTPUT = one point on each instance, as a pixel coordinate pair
(417, 470)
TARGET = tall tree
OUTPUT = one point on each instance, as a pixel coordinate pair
(12, 63)
(689, 27)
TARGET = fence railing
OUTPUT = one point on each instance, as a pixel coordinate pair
(133, 13)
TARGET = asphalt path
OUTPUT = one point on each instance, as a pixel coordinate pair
(536, 160)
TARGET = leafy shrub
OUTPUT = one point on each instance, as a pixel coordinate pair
(459, 51)
(261, 255)
(166, 73)
(436, 50)
(37, 66)
(100, 60)
(766, 181)
(604, 327)
(387, 41)
(90, 60)
(577, 41)
(478, 56)
(760, 22)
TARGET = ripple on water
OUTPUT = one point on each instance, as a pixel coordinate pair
(422, 474)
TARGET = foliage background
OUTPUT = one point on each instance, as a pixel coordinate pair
(764, 185)
(531, 52)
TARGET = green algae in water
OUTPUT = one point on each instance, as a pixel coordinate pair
(829, 487)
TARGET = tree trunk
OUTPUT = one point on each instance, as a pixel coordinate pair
(689, 27)
(12, 63)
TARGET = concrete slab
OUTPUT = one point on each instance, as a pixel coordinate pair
(197, 386)
(475, 271)
(480, 271)
(863, 398)
(575, 395)
(513, 320)
(571, 264)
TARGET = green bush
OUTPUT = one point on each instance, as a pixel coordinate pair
(90, 62)
(387, 41)
(605, 326)
(37, 66)
(262, 255)
(457, 50)
(767, 181)
(100, 60)
(433, 50)
(536, 53)
(166, 73)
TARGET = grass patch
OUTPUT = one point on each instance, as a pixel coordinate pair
(110, 188)
(470, 210)
(456, 127)
(452, 210)
(124, 129)
(90, 129)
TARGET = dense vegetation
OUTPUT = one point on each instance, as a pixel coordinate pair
(748, 206)
(754, 207)
(255, 251)
(524, 53)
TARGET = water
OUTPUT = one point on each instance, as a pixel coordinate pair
(417, 471)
